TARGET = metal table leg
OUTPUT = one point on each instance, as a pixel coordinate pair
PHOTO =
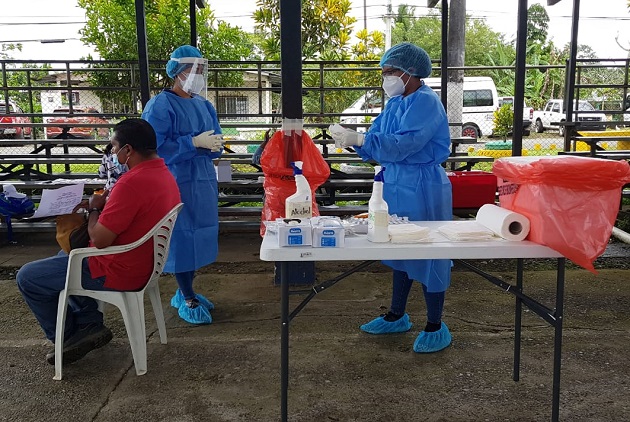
(284, 341)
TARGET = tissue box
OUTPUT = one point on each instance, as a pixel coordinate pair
(328, 232)
(294, 232)
(223, 170)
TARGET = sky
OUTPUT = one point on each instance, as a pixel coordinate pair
(33, 21)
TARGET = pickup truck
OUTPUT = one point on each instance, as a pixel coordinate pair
(15, 132)
(528, 113)
(554, 113)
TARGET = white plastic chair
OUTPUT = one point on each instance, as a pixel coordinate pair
(131, 304)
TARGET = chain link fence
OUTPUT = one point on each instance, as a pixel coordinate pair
(84, 99)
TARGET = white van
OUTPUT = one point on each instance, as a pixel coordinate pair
(370, 102)
(480, 101)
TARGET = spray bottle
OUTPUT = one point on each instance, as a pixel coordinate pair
(378, 212)
(300, 204)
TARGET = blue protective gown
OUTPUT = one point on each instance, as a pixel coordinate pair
(410, 138)
(176, 120)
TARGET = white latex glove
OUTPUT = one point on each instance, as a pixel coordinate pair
(208, 141)
(345, 137)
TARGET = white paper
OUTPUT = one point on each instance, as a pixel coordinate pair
(59, 201)
(466, 230)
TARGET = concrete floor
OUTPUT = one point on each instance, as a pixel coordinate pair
(229, 370)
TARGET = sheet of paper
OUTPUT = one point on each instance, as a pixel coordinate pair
(59, 201)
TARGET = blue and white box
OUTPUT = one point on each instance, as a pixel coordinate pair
(294, 232)
(328, 232)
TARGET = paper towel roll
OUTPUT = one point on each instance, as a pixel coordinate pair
(505, 223)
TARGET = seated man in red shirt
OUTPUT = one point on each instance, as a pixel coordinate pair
(141, 197)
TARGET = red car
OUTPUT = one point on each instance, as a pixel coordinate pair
(17, 132)
(73, 121)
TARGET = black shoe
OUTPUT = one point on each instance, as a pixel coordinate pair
(86, 339)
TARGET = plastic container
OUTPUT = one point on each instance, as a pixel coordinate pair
(498, 145)
(328, 232)
(294, 232)
(378, 211)
(300, 204)
(472, 189)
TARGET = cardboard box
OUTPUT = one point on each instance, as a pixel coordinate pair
(223, 168)
(472, 189)
(294, 232)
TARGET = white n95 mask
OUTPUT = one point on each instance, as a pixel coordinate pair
(393, 85)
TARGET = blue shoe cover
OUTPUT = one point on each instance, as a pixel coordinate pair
(197, 315)
(178, 299)
(432, 342)
(380, 326)
(205, 302)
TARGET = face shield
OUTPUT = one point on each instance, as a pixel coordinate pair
(194, 77)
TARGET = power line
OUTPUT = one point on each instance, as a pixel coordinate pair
(39, 41)
(40, 23)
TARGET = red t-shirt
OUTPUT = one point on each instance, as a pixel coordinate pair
(139, 199)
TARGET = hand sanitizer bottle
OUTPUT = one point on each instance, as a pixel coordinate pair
(300, 204)
(378, 212)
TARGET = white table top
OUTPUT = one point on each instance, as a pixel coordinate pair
(358, 248)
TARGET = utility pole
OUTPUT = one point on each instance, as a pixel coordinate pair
(364, 15)
(388, 26)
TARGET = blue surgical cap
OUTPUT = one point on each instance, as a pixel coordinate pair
(173, 67)
(409, 58)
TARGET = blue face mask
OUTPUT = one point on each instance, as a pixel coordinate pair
(117, 164)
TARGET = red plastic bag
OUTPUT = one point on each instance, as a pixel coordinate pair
(571, 202)
(279, 184)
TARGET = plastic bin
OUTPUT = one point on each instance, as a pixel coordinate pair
(472, 189)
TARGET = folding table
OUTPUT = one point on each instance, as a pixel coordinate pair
(358, 248)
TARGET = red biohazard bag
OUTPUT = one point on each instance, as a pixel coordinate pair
(283, 148)
(571, 202)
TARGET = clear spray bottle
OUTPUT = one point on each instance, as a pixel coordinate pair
(300, 204)
(378, 212)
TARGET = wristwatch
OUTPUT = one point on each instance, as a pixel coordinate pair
(91, 210)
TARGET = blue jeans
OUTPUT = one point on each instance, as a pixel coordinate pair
(40, 283)
(400, 292)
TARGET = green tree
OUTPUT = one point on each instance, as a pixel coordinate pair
(537, 24)
(326, 35)
(111, 29)
(426, 32)
(326, 27)
(503, 121)
(27, 75)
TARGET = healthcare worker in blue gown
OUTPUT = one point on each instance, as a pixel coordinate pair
(188, 139)
(410, 138)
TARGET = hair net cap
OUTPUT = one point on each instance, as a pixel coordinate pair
(174, 67)
(409, 58)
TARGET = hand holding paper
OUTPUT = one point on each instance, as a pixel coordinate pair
(59, 201)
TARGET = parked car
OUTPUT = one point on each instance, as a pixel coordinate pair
(73, 120)
(554, 113)
(6, 116)
(528, 113)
